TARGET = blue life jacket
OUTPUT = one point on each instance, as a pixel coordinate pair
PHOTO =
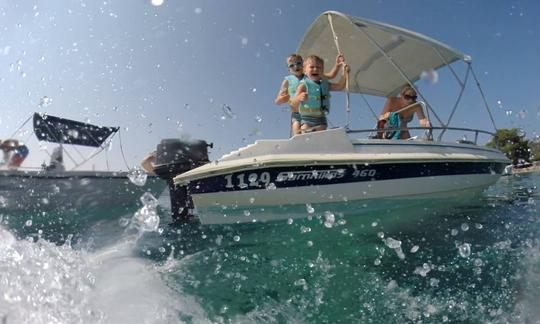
(318, 100)
(293, 84)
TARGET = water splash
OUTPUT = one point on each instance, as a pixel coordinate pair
(44, 283)
(137, 176)
(146, 218)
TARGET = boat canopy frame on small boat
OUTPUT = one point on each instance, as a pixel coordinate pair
(63, 131)
(376, 67)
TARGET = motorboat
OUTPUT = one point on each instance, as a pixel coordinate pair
(52, 188)
(278, 179)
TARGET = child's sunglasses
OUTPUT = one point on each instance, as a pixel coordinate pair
(298, 63)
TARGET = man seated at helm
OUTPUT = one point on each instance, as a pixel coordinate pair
(407, 98)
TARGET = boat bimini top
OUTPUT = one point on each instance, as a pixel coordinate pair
(383, 58)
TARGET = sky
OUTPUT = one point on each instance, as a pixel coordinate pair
(167, 68)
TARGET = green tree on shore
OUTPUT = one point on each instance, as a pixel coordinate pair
(535, 150)
(512, 144)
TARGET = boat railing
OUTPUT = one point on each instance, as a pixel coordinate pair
(428, 131)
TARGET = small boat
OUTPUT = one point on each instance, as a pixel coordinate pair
(276, 179)
(51, 188)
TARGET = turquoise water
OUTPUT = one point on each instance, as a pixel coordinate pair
(478, 263)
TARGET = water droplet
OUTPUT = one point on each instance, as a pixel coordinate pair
(305, 229)
(290, 221)
(310, 209)
(454, 232)
(414, 249)
(464, 227)
(300, 282)
(431, 76)
(44, 102)
(464, 250)
(157, 3)
(329, 219)
(522, 114)
(228, 112)
(236, 238)
(149, 200)
(28, 223)
(392, 243)
(137, 176)
(247, 213)
(123, 221)
(258, 119)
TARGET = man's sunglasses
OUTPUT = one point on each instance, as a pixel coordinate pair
(298, 63)
(407, 97)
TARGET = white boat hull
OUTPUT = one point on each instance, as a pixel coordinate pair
(256, 205)
(328, 167)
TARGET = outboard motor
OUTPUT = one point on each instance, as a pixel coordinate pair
(173, 157)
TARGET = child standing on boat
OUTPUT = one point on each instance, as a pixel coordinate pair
(289, 85)
(313, 94)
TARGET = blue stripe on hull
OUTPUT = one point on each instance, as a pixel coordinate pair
(298, 176)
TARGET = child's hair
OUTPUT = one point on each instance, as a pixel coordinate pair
(316, 59)
(294, 57)
(408, 90)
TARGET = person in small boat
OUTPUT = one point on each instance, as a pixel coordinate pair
(14, 152)
(313, 94)
(407, 97)
(290, 83)
(57, 160)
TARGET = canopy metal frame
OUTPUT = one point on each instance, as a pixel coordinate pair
(77, 163)
(403, 35)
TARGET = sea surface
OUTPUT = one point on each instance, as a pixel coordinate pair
(478, 263)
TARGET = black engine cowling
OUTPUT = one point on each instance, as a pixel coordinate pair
(173, 157)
